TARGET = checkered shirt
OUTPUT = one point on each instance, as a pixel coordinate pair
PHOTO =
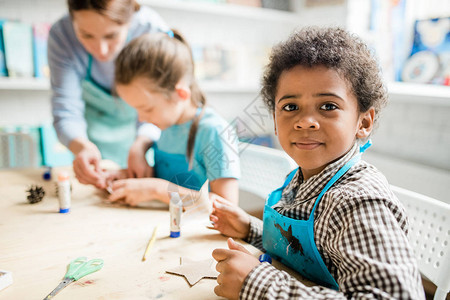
(360, 231)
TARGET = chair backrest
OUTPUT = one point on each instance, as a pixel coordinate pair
(263, 169)
(429, 235)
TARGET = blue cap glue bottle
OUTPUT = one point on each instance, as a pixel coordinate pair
(175, 209)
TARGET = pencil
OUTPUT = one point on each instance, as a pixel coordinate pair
(150, 242)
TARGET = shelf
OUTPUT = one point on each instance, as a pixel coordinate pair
(32, 84)
(226, 10)
(35, 84)
(399, 91)
(420, 93)
(228, 88)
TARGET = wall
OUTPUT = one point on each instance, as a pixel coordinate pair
(411, 146)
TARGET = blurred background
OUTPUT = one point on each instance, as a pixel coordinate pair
(231, 41)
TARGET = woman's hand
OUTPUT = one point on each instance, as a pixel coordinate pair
(136, 190)
(234, 265)
(138, 166)
(228, 218)
(86, 164)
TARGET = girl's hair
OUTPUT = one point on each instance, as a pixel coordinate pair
(120, 11)
(164, 59)
(333, 48)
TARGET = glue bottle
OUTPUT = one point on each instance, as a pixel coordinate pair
(64, 192)
(175, 209)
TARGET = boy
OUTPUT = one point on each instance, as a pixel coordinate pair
(335, 220)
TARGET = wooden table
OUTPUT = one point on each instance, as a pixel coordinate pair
(37, 243)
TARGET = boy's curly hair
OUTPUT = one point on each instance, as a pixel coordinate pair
(333, 48)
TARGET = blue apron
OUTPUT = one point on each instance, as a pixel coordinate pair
(291, 241)
(175, 168)
(111, 122)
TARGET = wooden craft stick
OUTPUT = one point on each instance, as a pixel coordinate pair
(150, 242)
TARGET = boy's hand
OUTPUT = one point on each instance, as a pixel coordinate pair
(228, 218)
(136, 190)
(233, 265)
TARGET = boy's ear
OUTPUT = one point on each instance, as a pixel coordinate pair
(365, 123)
(183, 91)
(274, 123)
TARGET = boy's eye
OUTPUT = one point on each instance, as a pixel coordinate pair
(328, 106)
(290, 107)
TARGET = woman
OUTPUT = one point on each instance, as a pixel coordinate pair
(89, 119)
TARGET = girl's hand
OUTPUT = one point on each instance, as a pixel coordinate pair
(234, 265)
(113, 175)
(136, 190)
(228, 218)
(138, 166)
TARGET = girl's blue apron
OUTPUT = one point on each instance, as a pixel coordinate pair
(291, 241)
(175, 168)
(111, 122)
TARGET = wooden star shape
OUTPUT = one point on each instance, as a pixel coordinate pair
(194, 271)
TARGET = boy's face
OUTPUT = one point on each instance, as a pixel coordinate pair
(317, 118)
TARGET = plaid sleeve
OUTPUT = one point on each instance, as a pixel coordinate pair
(255, 234)
(371, 251)
(267, 282)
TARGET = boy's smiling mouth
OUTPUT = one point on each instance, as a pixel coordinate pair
(307, 144)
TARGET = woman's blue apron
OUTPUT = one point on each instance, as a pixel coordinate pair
(291, 241)
(111, 122)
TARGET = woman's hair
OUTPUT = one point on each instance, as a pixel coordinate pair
(164, 59)
(335, 49)
(119, 11)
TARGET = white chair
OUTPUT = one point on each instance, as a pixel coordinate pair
(429, 235)
(263, 169)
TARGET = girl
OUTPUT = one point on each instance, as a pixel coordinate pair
(88, 119)
(155, 75)
(335, 220)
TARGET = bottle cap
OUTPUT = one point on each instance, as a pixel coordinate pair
(174, 234)
(64, 210)
(63, 176)
(265, 258)
(47, 174)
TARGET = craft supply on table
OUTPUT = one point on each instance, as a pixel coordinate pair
(197, 207)
(194, 271)
(5, 279)
(78, 268)
(265, 258)
(109, 189)
(175, 209)
(35, 194)
(47, 175)
(63, 187)
(150, 242)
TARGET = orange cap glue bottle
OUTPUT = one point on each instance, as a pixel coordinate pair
(64, 192)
